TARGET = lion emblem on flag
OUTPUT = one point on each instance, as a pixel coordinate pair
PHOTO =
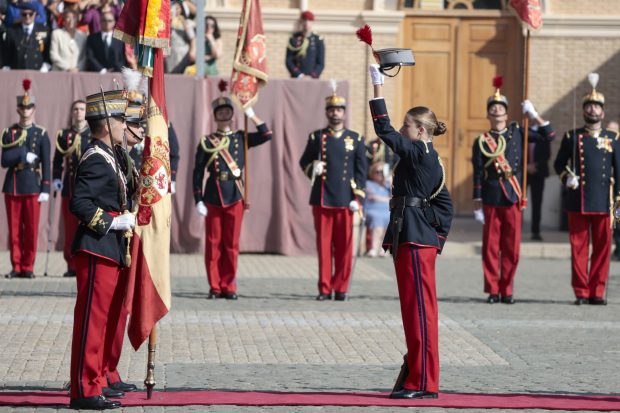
(154, 176)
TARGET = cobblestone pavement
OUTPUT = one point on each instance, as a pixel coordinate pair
(276, 337)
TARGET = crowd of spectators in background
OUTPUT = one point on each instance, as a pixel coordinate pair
(77, 35)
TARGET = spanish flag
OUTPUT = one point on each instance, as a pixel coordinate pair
(148, 293)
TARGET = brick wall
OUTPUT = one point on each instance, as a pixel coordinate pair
(561, 64)
(584, 7)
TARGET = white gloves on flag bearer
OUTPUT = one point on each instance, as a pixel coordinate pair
(201, 208)
(354, 206)
(249, 112)
(124, 222)
(528, 108)
(572, 182)
(375, 75)
(43, 197)
(57, 183)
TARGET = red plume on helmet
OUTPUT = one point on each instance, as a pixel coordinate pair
(364, 34)
(26, 84)
(222, 86)
(498, 82)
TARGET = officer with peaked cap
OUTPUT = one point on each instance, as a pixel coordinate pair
(335, 161)
(26, 155)
(588, 164)
(497, 157)
(221, 201)
(26, 45)
(305, 52)
(100, 202)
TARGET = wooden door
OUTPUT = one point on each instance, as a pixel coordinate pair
(432, 81)
(487, 47)
(456, 60)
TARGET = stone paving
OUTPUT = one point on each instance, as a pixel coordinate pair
(276, 337)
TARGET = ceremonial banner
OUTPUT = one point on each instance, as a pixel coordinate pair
(250, 61)
(148, 292)
(145, 25)
(529, 12)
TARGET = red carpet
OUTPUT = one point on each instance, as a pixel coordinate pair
(445, 400)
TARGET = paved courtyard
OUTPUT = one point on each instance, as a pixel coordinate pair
(276, 337)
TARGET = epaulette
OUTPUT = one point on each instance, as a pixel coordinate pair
(356, 135)
(567, 136)
(43, 130)
(318, 132)
(514, 124)
(614, 137)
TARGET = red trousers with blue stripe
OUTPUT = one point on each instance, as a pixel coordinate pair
(94, 324)
(415, 273)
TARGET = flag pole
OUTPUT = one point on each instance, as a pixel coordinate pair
(245, 170)
(149, 381)
(526, 119)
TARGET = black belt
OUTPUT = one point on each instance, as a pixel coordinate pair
(400, 202)
(22, 166)
(226, 176)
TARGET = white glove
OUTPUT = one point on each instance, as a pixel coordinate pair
(572, 182)
(617, 213)
(124, 222)
(43, 197)
(386, 171)
(479, 215)
(528, 108)
(301, 75)
(45, 68)
(103, 71)
(6, 68)
(201, 208)
(173, 187)
(249, 112)
(31, 157)
(354, 206)
(57, 184)
(375, 75)
(318, 167)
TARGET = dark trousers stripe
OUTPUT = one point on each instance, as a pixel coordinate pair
(92, 265)
(417, 276)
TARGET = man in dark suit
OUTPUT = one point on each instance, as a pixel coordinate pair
(104, 53)
(26, 45)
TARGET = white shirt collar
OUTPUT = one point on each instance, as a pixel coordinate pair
(28, 27)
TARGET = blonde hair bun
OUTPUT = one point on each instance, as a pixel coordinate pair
(440, 129)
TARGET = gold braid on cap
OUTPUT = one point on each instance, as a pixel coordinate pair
(17, 142)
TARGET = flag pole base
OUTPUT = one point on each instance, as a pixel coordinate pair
(149, 381)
